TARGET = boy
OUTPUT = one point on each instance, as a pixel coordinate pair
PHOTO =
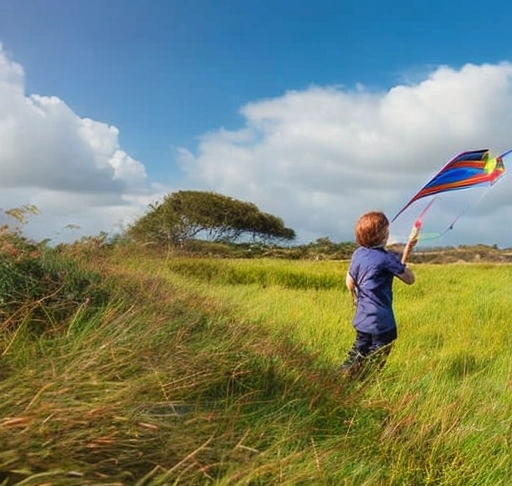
(369, 279)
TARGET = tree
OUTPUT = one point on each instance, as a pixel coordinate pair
(188, 215)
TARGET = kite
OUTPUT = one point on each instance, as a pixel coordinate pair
(466, 170)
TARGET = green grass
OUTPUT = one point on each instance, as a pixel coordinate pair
(223, 372)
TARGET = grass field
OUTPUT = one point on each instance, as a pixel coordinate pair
(223, 372)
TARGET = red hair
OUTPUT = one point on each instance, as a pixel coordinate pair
(372, 229)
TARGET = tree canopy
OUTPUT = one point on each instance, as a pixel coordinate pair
(188, 215)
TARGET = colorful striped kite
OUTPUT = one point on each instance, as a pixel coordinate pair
(466, 170)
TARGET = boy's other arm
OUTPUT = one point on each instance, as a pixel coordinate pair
(350, 283)
(351, 286)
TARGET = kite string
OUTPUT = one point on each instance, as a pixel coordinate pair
(465, 210)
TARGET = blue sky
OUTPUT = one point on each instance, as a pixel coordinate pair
(315, 111)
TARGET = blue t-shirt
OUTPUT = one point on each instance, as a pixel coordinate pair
(373, 270)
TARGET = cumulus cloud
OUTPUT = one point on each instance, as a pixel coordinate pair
(319, 158)
(71, 168)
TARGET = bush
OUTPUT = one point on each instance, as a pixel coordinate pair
(38, 285)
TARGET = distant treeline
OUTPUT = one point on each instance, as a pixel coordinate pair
(325, 249)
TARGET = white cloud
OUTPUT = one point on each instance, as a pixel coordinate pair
(71, 168)
(319, 158)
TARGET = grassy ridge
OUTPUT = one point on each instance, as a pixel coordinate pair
(223, 372)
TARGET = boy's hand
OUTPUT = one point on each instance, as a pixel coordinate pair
(411, 243)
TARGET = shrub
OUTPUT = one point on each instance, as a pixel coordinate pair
(38, 285)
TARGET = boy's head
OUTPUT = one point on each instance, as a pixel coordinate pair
(372, 229)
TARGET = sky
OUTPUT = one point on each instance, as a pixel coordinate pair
(314, 111)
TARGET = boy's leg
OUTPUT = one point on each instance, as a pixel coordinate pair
(358, 352)
(380, 349)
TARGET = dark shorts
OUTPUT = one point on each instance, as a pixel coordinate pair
(367, 343)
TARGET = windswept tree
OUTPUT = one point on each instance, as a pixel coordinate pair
(188, 215)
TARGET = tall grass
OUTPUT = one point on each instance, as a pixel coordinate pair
(223, 372)
(445, 389)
